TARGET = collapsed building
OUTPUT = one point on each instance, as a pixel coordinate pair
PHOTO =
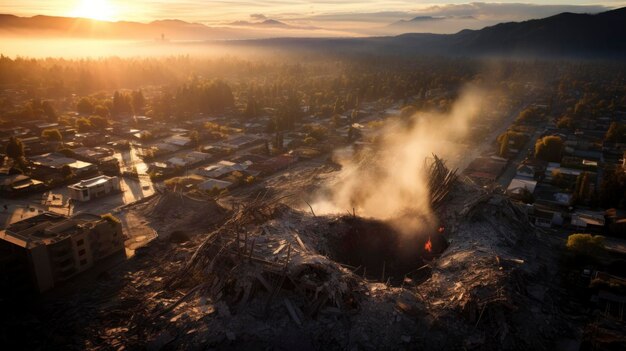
(270, 276)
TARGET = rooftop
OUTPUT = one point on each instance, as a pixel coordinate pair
(88, 183)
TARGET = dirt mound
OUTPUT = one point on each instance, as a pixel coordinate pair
(173, 211)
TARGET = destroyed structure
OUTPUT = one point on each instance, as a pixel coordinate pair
(273, 277)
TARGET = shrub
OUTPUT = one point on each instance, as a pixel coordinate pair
(549, 148)
(111, 218)
(585, 244)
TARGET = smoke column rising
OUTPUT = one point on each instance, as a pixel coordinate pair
(390, 182)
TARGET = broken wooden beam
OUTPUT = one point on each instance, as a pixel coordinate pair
(292, 311)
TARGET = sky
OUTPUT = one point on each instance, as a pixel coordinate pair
(358, 16)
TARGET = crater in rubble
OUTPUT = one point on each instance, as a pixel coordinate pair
(380, 252)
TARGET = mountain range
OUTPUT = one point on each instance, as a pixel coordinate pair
(565, 34)
(600, 35)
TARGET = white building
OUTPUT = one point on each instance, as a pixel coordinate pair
(222, 168)
(89, 189)
(518, 184)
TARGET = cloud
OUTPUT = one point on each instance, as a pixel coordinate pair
(258, 17)
(507, 11)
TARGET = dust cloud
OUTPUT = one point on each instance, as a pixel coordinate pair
(389, 181)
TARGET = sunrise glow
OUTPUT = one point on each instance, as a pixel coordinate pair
(95, 9)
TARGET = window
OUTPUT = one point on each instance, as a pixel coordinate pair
(81, 252)
(80, 242)
(83, 262)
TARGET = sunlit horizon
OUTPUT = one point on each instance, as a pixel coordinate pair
(361, 15)
(102, 10)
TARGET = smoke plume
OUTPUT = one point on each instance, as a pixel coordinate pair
(388, 182)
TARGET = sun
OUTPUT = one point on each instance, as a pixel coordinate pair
(95, 9)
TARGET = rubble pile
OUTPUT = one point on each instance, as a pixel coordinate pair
(272, 277)
(174, 211)
(264, 258)
(480, 286)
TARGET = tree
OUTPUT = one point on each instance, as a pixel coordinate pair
(122, 103)
(52, 134)
(98, 122)
(288, 113)
(558, 179)
(251, 108)
(565, 122)
(613, 189)
(194, 137)
(354, 116)
(15, 149)
(549, 148)
(582, 188)
(83, 125)
(616, 133)
(528, 115)
(504, 145)
(85, 106)
(101, 111)
(585, 244)
(66, 171)
(138, 101)
(49, 111)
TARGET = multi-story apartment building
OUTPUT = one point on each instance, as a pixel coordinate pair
(44, 250)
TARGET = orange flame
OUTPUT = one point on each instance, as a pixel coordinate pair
(429, 245)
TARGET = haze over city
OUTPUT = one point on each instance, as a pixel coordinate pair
(312, 175)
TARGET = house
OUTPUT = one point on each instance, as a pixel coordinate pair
(610, 298)
(525, 171)
(241, 141)
(35, 145)
(16, 183)
(518, 184)
(545, 217)
(40, 252)
(211, 184)
(189, 159)
(222, 168)
(90, 138)
(485, 169)
(274, 164)
(89, 189)
(552, 196)
(554, 167)
(93, 154)
(588, 221)
(56, 161)
(178, 140)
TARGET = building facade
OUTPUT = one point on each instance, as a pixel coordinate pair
(42, 251)
(89, 189)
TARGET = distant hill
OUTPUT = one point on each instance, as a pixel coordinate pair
(565, 34)
(88, 28)
(270, 23)
(562, 34)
